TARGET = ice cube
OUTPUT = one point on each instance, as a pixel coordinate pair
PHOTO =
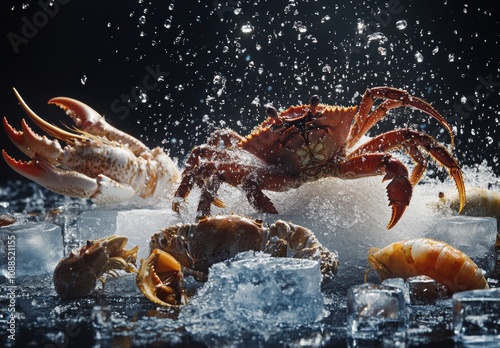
(425, 290)
(30, 248)
(476, 316)
(96, 223)
(400, 284)
(138, 225)
(255, 292)
(474, 236)
(375, 312)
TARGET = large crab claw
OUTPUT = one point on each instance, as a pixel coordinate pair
(160, 279)
(99, 162)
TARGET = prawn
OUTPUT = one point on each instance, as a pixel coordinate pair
(424, 256)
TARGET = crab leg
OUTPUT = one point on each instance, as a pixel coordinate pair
(411, 139)
(394, 98)
(399, 189)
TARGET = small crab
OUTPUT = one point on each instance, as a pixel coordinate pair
(100, 162)
(308, 142)
(190, 249)
(76, 274)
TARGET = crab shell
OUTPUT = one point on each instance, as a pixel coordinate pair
(191, 249)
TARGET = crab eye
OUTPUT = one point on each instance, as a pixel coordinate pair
(314, 101)
(163, 241)
(271, 112)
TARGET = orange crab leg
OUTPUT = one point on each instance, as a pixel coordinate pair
(399, 189)
(394, 98)
(411, 139)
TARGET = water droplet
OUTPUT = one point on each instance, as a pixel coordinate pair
(451, 57)
(143, 98)
(339, 88)
(142, 19)
(25, 6)
(167, 24)
(325, 18)
(419, 57)
(247, 28)
(401, 25)
(83, 80)
(171, 7)
(326, 69)
(489, 140)
(435, 50)
(382, 51)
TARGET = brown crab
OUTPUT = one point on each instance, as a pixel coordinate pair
(308, 142)
(76, 274)
(190, 249)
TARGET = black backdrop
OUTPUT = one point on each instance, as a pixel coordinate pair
(217, 63)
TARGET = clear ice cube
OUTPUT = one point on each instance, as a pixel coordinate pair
(375, 312)
(474, 236)
(476, 316)
(138, 225)
(255, 292)
(30, 248)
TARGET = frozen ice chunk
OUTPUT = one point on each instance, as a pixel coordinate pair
(30, 249)
(96, 223)
(375, 311)
(425, 290)
(255, 293)
(476, 316)
(474, 236)
(400, 284)
(138, 225)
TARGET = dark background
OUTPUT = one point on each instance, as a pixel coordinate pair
(216, 75)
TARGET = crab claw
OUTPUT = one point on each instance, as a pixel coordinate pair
(160, 279)
(62, 181)
(90, 121)
(399, 192)
(102, 189)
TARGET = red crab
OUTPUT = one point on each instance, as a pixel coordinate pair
(308, 142)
